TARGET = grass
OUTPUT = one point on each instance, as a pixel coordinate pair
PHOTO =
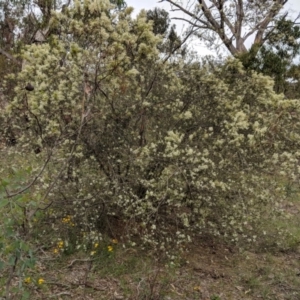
(130, 274)
(206, 269)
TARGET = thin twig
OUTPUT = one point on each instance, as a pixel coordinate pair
(61, 294)
(10, 195)
(77, 260)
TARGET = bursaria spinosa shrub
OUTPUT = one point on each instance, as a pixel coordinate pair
(148, 148)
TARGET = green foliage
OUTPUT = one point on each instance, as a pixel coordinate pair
(161, 25)
(121, 4)
(161, 20)
(276, 57)
(16, 251)
(143, 148)
(293, 88)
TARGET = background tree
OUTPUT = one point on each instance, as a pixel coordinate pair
(277, 56)
(232, 22)
(293, 87)
(121, 4)
(26, 21)
(162, 25)
(22, 22)
(276, 37)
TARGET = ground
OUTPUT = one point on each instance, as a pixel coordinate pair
(205, 271)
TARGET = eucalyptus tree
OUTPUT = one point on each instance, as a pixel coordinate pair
(232, 22)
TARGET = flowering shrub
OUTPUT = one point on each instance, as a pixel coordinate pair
(162, 150)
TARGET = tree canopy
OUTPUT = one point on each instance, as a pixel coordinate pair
(232, 22)
(278, 56)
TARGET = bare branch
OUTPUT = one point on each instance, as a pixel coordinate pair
(180, 45)
(11, 195)
(13, 59)
(185, 10)
(207, 13)
(239, 18)
(224, 19)
(218, 28)
(193, 24)
(262, 26)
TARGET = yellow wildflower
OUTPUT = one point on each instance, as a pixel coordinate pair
(96, 245)
(109, 248)
(66, 219)
(41, 281)
(60, 244)
(27, 280)
(114, 241)
(55, 251)
(93, 252)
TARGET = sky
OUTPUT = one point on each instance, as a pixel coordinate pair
(148, 4)
(293, 6)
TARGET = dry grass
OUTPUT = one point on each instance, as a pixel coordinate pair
(203, 272)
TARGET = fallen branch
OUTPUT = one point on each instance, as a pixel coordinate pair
(77, 260)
